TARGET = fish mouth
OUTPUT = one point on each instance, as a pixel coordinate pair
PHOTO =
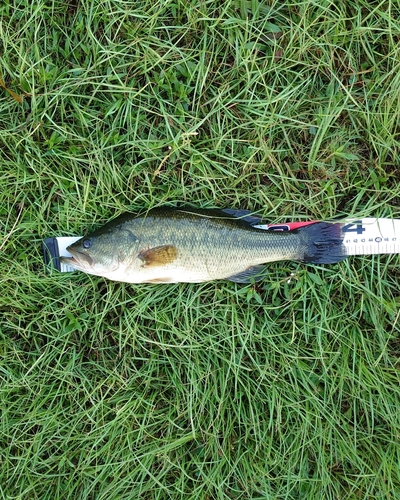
(79, 260)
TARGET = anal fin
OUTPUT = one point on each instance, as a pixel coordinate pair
(253, 273)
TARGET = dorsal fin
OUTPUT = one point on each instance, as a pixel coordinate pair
(245, 215)
(224, 213)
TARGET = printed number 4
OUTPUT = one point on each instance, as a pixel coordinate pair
(354, 227)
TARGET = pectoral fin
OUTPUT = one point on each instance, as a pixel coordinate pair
(158, 256)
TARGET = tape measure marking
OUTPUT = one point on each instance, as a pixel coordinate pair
(360, 236)
(371, 236)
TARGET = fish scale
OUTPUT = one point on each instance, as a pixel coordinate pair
(208, 247)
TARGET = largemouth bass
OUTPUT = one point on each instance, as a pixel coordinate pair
(171, 245)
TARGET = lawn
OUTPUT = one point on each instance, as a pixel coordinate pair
(288, 389)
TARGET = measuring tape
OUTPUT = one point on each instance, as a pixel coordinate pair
(360, 237)
(372, 236)
(54, 248)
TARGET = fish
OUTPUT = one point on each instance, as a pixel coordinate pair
(172, 245)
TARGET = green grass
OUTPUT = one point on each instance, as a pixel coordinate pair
(215, 391)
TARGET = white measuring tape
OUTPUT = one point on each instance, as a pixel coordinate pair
(360, 237)
(372, 236)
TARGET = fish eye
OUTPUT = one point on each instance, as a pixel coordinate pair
(87, 243)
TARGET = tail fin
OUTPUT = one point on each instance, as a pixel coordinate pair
(323, 243)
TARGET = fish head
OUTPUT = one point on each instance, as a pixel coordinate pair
(102, 253)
